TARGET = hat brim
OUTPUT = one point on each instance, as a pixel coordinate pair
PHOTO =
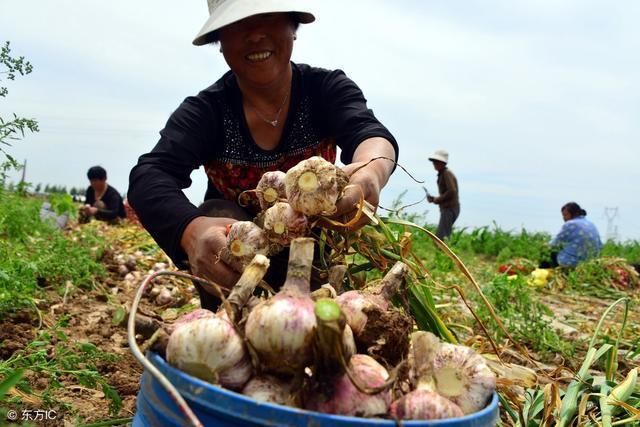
(233, 11)
(437, 159)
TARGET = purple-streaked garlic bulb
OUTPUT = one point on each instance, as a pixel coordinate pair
(210, 348)
(281, 329)
(331, 388)
(346, 399)
(354, 303)
(423, 403)
(245, 240)
(271, 189)
(283, 224)
(271, 389)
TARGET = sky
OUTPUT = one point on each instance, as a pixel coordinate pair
(537, 101)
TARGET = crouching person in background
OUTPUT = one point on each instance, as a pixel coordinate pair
(577, 241)
(102, 201)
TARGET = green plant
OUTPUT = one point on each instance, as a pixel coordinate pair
(525, 317)
(33, 255)
(62, 203)
(52, 356)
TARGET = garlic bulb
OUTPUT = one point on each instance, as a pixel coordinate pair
(462, 376)
(271, 389)
(345, 398)
(354, 303)
(281, 329)
(313, 186)
(423, 403)
(271, 189)
(379, 328)
(244, 240)
(283, 224)
(210, 348)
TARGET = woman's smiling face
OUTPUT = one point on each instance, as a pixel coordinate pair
(258, 48)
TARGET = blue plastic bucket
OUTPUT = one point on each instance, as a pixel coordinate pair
(216, 406)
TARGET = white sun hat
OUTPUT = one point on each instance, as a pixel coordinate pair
(440, 155)
(225, 12)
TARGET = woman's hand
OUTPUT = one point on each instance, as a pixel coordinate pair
(363, 186)
(203, 240)
(90, 210)
(367, 177)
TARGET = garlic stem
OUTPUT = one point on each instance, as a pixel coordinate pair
(331, 354)
(243, 289)
(391, 282)
(300, 264)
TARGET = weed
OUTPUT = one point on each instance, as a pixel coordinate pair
(34, 255)
(523, 315)
(52, 357)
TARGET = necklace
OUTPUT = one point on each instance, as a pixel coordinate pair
(275, 121)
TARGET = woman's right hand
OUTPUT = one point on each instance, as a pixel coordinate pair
(203, 240)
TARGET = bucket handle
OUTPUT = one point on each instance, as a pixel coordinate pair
(133, 345)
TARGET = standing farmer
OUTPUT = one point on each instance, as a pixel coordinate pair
(448, 190)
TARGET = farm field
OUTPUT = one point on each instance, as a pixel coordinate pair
(65, 297)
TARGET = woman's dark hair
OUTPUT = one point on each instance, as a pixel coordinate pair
(96, 172)
(214, 36)
(574, 209)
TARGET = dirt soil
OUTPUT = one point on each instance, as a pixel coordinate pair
(92, 316)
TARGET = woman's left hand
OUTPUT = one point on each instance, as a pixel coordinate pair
(366, 179)
(363, 186)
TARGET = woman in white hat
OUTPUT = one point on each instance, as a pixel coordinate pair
(265, 114)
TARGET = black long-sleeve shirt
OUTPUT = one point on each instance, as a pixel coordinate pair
(327, 110)
(114, 208)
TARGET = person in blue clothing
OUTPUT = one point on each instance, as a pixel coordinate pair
(577, 241)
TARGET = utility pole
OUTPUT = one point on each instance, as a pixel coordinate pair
(24, 172)
(612, 228)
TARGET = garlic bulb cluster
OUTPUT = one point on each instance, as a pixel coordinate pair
(333, 387)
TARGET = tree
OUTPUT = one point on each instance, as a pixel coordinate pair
(14, 128)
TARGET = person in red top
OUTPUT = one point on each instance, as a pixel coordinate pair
(267, 113)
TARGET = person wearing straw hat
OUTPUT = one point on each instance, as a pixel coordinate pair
(447, 200)
(266, 113)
